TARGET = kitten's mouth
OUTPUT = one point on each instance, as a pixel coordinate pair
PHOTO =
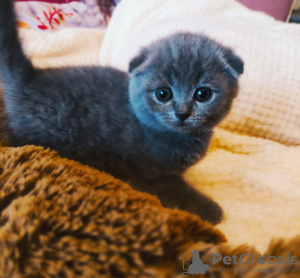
(180, 126)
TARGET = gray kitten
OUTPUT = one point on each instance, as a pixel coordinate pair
(145, 127)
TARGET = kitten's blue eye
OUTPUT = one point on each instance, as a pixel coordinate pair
(202, 94)
(164, 94)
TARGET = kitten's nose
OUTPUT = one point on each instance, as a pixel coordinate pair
(182, 115)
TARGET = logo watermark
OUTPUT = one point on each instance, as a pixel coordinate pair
(194, 265)
(246, 259)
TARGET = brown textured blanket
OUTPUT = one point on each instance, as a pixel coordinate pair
(63, 219)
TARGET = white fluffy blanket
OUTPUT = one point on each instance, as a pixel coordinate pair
(253, 167)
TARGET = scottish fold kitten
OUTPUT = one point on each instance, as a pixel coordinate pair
(145, 126)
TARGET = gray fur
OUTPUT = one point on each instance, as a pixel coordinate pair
(111, 120)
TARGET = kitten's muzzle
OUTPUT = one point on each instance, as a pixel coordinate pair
(183, 111)
(182, 115)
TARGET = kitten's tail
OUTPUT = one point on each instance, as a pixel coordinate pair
(15, 68)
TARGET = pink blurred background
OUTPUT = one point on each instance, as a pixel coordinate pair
(279, 9)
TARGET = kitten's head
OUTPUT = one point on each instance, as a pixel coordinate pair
(183, 83)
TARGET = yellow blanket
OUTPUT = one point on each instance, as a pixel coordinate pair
(253, 167)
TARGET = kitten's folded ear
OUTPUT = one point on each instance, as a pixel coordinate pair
(138, 60)
(234, 63)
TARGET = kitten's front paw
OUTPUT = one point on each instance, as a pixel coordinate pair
(174, 192)
(206, 208)
(194, 201)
